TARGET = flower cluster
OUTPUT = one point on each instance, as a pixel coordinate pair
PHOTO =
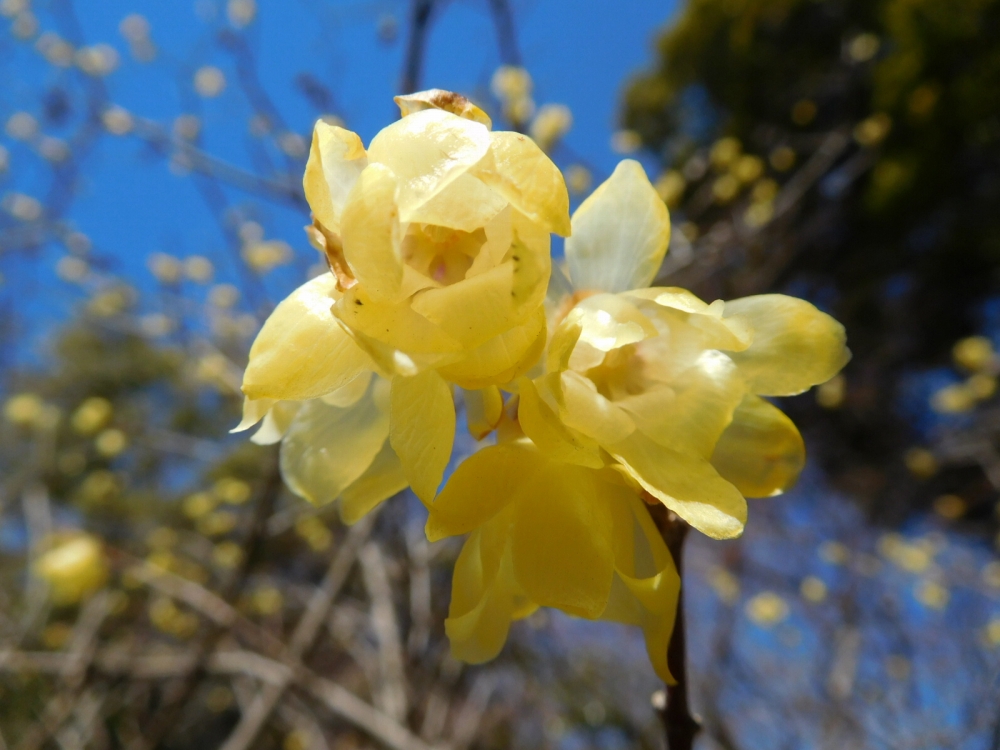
(600, 395)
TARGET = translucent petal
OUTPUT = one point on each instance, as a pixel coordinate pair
(690, 414)
(761, 452)
(483, 409)
(383, 479)
(371, 235)
(546, 430)
(427, 151)
(650, 603)
(449, 101)
(795, 346)
(466, 204)
(254, 410)
(422, 429)
(482, 485)
(560, 541)
(327, 448)
(302, 351)
(610, 321)
(483, 306)
(583, 408)
(686, 484)
(620, 233)
(336, 159)
(682, 307)
(276, 423)
(393, 323)
(350, 392)
(482, 605)
(503, 358)
(499, 235)
(521, 172)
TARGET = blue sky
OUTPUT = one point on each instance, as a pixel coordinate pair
(130, 204)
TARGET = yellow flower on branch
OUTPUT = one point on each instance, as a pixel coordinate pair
(437, 237)
(664, 387)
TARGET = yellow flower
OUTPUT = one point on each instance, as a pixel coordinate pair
(437, 237)
(74, 568)
(337, 446)
(664, 387)
(549, 533)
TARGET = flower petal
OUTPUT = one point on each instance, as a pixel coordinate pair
(483, 409)
(371, 233)
(393, 323)
(521, 172)
(620, 233)
(581, 407)
(478, 308)
(795, 346)
(449, 101)
(349, 393)
(327, 448)
(336, 159)
(254, 410)
(686, 484)
(422, 429)
(547, 431)
(690, 414)
(427, 151)
(383, 479)
(481, 486)
(503, 358)
(761, 452)
(276, 422)
(466, 204)
(302, 351)
(561, 540)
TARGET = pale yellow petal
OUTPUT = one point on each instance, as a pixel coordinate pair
(254, 410)
(276, 423)
(336, 159)
(686, 484)
(610, 321)
(620, 233)
(650, 603)
(302, 351)
(547, 431)
(449, 101)
(327, 448)
(761, 452)
(561, 540)
(521, 172)
(795, 346)
(482, 485)
(478, 308)
(466, 204)
(691, 413)
(499, 233)
(483, 409)
(371, 234)
(422, 429)
(581, 407)
(503, 358)
(350, 392)
(383, 479)
(427, 151)
(393, 323)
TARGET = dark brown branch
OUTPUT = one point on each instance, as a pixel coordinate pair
(503, 19)
(680, 726)
(413, 61)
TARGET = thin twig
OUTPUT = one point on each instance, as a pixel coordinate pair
(413, 61)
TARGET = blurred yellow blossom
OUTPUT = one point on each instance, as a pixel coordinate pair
(216, 523)
(992, 632)
(99, 60)
(227, 555)
(951, 507)
(166, 268)
(134, 27)
(725, 585)
(241, 12)
(24, 409)
(921, 462)
(110, 443)
(223, 295)
(625, 142)
(117, 120)
(72, 269)
(813, 589)
(198, 268)
(748, 168)
(725, 188)
(265, 256)
(863, 47)
(953, 399)
(873, 130)
(578, 179)
(22, 207)
(91, 415)
(74, 568)
(766, 609)
(782, 158)
(231, 490)
(198, 504)
(932, 594)
(974, 353)
(56, 635)
(55, 50)
(908, 556)
(315, 532)
(670, 186)
(725, 152)
(267, 600)
(759, 214)
(830, 395)
(209, 81)
(834, 553)
(99, 487)
(551, 123)
(10, 8)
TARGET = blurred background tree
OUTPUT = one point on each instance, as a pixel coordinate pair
(158, 586)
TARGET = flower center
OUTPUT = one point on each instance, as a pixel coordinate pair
(441, 254)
